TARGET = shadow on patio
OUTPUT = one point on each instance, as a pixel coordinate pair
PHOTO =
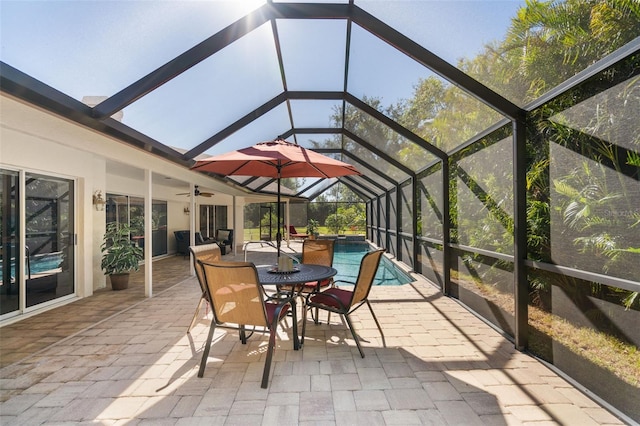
(133, 360)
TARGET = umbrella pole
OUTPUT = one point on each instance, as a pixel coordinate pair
(278, 235)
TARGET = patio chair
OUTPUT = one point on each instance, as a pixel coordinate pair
(205, 253)
(224, 238)
(182, 241)
(315, 252)
(235, 293)
(345, 302)
(295, 234)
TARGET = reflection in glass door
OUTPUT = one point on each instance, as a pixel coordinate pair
(49, 238)
(212, 218)
(47, 270)
(9, 260)
(130, 210)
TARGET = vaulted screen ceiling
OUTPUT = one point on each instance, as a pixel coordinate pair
(193, 79)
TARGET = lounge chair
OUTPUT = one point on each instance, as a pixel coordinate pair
(295, 234)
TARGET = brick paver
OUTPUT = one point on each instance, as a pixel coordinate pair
(136, 364)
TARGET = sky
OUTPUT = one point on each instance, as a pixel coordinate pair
(96, 48)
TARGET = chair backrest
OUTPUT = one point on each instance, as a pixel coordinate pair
(205, 253)
(317, 252)
(292, 229)
(182, 241)
(235, 292)
(225, 235)
(368, 268)
(199, 239)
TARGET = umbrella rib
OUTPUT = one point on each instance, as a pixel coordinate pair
(237, 168)
(293, 163)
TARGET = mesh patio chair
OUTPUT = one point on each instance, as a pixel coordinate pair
(315, 252)
(343, 301)
(236, 297)
(205, 253)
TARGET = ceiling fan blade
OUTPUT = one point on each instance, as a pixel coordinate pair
(197, 193)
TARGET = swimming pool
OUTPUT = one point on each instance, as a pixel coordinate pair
(346, 259)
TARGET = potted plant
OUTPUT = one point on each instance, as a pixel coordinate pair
(312, 228)
(120, 255)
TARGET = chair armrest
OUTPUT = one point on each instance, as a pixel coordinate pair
(280, 298)
(324, 294)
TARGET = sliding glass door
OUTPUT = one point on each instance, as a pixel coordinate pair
(49, 238)
(37, 265)
(130, 210)
(10, 261)
(212, 218)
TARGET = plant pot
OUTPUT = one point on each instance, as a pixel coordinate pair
(119, 281)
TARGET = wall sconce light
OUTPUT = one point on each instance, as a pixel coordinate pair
(98, 201)
(186, 210)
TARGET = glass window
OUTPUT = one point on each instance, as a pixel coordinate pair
(159, 228)
(130, 210)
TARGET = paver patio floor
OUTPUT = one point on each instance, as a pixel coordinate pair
(118, 358)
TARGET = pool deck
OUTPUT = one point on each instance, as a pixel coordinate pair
(119, 358)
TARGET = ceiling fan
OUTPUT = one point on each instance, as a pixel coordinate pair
(197, 193)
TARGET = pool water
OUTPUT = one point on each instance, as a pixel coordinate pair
(46, 262)
(347, 257)
(39, 263)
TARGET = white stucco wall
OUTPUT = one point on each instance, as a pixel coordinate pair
(37, 141)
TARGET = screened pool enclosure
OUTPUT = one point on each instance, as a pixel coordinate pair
(499, 142)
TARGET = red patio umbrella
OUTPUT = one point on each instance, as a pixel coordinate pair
(276, 159)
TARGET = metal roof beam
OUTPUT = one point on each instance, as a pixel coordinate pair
(356, 191)
(28, 89)
(183, 62)
(239, 124)
(394, 125)
(350, 155)
(212, 45)
(305, 189)
(364, 188)
(368, 180)
(379, 153)
(436, 64)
